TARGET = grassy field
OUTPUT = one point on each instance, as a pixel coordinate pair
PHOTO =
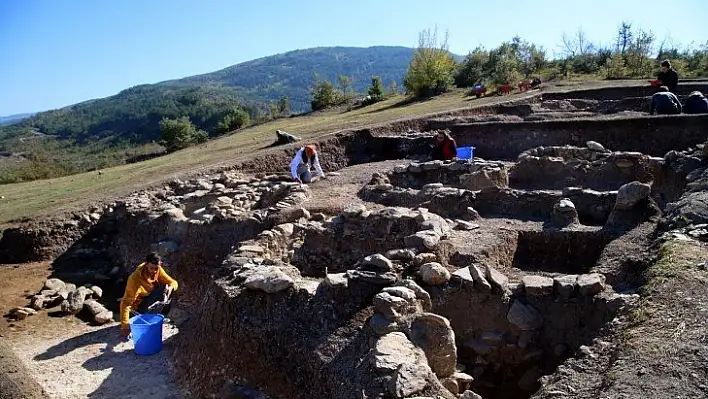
(43, 197)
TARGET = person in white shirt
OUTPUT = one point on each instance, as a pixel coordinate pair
(305, 158)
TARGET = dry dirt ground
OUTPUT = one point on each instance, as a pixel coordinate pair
(65, 357)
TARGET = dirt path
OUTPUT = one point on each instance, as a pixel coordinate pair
(64, 357)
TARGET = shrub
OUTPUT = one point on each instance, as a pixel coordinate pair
(432, 68)
(180, 133)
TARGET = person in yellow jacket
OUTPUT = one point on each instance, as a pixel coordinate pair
(148, 284)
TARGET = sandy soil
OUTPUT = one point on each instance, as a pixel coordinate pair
(66, 357)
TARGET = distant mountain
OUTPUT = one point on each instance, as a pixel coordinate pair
(10, 119)
(133, 114)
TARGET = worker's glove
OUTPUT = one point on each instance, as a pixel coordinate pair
(168, 292)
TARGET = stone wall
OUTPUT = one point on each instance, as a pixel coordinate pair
(654, 136)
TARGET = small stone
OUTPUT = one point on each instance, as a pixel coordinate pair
(353, 210)
(224, 200)
(424, 257)
(378, 261)
(595, 146)
(464, 225)
(431, 186)
(319, 217)
(434, 273)
(256, 249)
(400, 169)
(400, 254)
(472, 214)
(537, 285)
(97, 291)
(383, 187)
(104, 317)
(591, 284)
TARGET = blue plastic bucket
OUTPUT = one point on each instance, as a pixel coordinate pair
(465, 152)
(147, 333)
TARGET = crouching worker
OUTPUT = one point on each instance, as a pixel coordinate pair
(304, 159)
(148, 284)
(696, 103)
(444, 147)
(665, 103)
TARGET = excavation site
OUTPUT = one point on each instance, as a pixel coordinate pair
(510, 275)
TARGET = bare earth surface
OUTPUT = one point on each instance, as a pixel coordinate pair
(67, 358)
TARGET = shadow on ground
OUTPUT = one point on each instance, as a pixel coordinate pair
(130, 375)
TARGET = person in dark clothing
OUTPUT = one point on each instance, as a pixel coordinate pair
(665, 103)
(696, 103)
(668, 76)
(444, 147)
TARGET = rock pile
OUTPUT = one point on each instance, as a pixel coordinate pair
(71, 299)
(416, 347)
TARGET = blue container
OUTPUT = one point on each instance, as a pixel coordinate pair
(465, 152)
(147, 333)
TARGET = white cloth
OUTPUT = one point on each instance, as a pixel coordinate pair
(297, 160)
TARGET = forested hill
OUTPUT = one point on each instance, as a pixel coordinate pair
(291, 74)
(133, 114)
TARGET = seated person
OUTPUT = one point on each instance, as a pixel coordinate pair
(444, 147)
(300, 165)
(668, 76)
(665, 103)
(148, 284)
(696, 103)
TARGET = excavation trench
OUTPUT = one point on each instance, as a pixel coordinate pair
(282, 301)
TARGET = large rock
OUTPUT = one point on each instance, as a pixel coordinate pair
(488, 177)
(595, 146)
(100, 314)
(564, 214)
(392, 351)
(381, 325)
(524, 317)
(54, 284)
(480, 281)
(378, 261)
(75, 301)
(420, 293)
(409, 379)
(424, 239)
(496, 278)
(393, 307)
(400, 254)
(630, 194)
(537, 285)
(591, 284)
(434, 222)
(269, 279)
(283, 137)
(565, 285)
(434, 273)
(433, 334)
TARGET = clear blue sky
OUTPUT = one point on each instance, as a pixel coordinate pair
(55, 53)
